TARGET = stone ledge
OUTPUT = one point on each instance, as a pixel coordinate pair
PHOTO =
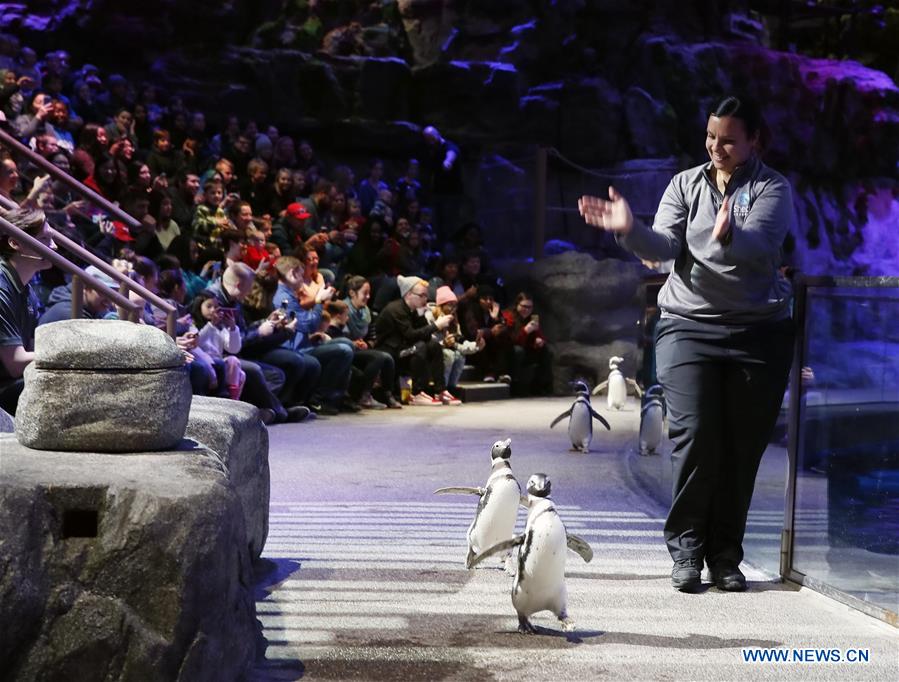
(122, 566)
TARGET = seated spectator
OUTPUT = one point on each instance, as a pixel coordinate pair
(284, 154)
(210, 217)
(122, 127)
(483, 320)
(184, 248)
(95, 306)
(408, 187)
(9, 178)
(369, 361)
(335, 358)
(163, 159)
(161, 208)
(403, 331)
(363, 257)
(240, 213)
(289, 230)
(370, 188)
(455, 346)
(261, 351)
(217, 334)
(18, 305)
(309, 162)
(185, 197)
(299, 189)
(32, 123)
(281, 192)
(531, 360)
(172, 291)
(255, 188)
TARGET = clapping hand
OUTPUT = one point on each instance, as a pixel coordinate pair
(722, 222)
(613, 215)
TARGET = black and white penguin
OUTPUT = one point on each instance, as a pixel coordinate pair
(497, 510)
(581, 415)
(652, 420)
(540, 582)
(616, 385)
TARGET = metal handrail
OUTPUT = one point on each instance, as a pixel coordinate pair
(61, 262)
(79, 187)
(125, 282)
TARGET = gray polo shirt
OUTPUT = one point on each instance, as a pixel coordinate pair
(734, 282)
(18, 314)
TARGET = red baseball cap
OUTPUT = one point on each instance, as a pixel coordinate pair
(121, 232)
(297, 210)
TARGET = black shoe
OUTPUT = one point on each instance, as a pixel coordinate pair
(349, 405)
(325, 409)
(297, 414)
(267, 416)
(392, 402)
(728, 577)
(685, 575)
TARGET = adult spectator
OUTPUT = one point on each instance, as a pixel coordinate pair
(482, 319)
(402, 330)
(185, 199)
(18, 304)
(371, 187)
(163, 159)
(262, 341)
(289, 231)
(334, 358)
(531, 361)
(95, 306)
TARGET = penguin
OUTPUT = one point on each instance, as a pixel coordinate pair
(617, 384)
(580, 424)
(540, 581)
(652, 420)
(497, 511)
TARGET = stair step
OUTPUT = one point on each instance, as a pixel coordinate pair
(470, 374)
(474, 392)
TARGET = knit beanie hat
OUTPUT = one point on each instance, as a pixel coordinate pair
(406, 283)
(445, 295)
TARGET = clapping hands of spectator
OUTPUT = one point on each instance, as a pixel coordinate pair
(531, 326)
(443, 321)
(324, 294)
(494, 310)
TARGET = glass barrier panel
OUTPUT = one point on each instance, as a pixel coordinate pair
(846, 517)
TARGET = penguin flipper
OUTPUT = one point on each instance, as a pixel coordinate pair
(601, 386)
(459, 490)
(633, 384)
(598, 417)
(566, 413)
(580, 546)
(498, 547)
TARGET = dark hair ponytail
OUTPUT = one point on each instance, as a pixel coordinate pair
(748, 111)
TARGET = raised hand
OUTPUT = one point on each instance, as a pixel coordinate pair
(613, 215)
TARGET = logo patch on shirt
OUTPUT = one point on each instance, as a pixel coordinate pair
(741, 205)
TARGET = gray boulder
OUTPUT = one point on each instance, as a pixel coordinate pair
(235, 433)
(117, 567)
(103, 386)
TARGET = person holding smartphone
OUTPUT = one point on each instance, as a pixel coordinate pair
(531, 359)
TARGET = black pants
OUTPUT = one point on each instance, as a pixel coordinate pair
(425, 366)
(724, 386)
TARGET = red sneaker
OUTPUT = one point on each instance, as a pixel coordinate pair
(448, 398)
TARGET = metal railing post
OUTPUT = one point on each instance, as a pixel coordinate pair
(77, 296)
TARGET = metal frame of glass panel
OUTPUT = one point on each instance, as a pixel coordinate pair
(800, 310)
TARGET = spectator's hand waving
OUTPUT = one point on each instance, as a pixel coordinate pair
(613, 215)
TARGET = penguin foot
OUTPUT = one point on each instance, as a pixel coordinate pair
(525, 627)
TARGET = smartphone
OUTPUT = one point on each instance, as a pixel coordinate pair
(293, 315)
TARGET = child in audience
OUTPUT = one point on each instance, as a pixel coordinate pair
(218, 334)
(455, 346)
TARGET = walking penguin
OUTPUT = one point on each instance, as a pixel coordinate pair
(540, 582)
(581, 415)
(652, 420)
(497, 511)
(617, 384)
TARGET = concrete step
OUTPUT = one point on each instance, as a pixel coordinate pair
(470, 374)
(474, 392)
